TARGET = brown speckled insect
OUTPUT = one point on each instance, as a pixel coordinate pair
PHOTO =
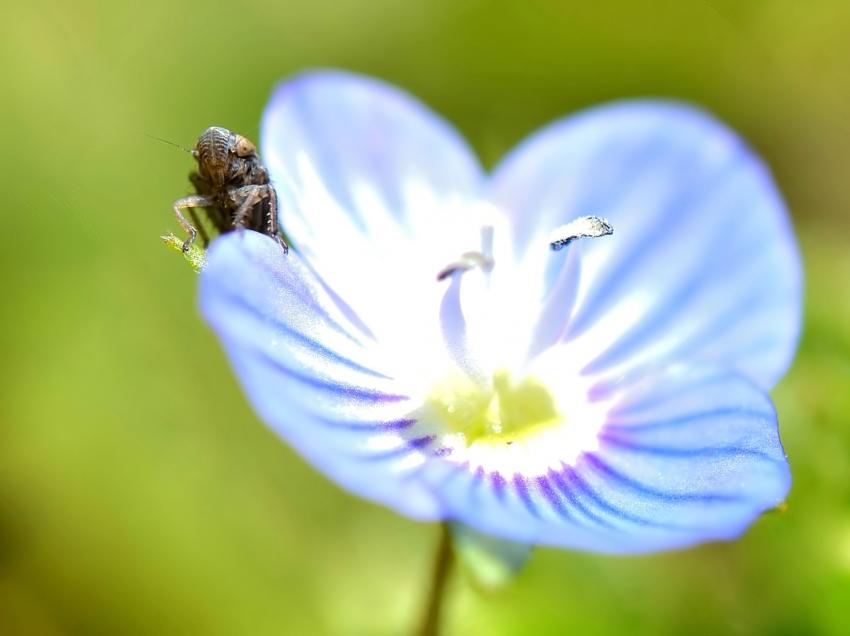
(232, 186)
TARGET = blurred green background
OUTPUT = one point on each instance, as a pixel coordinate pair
(138, 492)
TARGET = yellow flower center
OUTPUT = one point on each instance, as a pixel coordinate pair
(501, 412)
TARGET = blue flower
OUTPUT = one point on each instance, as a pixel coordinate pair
(611, 396)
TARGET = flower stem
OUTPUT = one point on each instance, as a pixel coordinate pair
(443, 560)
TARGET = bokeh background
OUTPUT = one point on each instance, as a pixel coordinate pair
(138, 492)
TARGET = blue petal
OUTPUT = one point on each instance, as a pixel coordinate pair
(687, 455)
(702, 264)
(359, 164)
(313, 372)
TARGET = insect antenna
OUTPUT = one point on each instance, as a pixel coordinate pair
(170, 143)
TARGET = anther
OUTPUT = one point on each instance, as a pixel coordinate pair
(482, 260)
(582, 227)
(467, 261)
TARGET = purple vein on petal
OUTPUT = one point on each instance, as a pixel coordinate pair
(608, 284)
(553, 498)
(344, 308)
(664, 314)
(371, 426)
(716, 452)
(282, 283)
(499, 485)
(609, 473)
(521, 487)
(569, 494)
(575, 480)
(349, 390)
(413, 445)
(634, 158)
(649, 401)
(690, 418)
(308, 105)
(689, 349)
(298, 336)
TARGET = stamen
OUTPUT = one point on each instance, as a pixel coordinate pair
(467, 261)
(482, 260)
(453, 324)
(452, 317)
(582, 227)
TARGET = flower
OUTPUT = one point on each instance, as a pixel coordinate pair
(610, 396)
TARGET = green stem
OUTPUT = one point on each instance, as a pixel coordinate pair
(443, 560)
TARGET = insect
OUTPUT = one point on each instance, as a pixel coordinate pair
(232, 186)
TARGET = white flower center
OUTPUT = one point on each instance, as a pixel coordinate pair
(524, 417)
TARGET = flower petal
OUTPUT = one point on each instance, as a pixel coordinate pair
(702, 264)
(367, 149)
(375, 190)
(685, 456)
(312, 371)
(358, 163)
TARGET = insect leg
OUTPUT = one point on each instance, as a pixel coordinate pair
(199, 226)
(192, 201)
(214, 214)
(272, 220)
(250, 197)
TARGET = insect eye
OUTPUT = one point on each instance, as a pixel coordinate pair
(244, 148)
